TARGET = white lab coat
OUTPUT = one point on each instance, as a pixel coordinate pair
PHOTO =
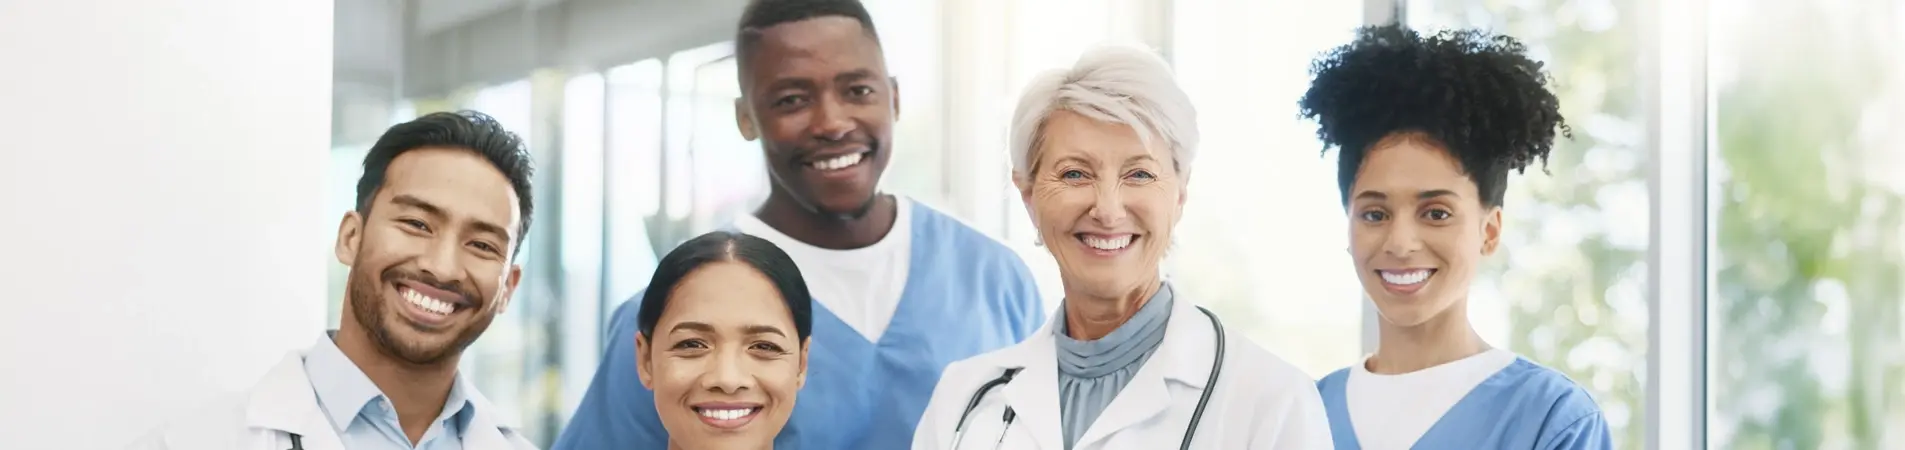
(1261, 402)
(283, 403)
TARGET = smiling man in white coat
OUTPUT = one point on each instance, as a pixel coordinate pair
(441, 211)
(1101, 154)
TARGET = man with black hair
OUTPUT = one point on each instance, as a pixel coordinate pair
(1427, 129)
(900, 290)
(442, 208)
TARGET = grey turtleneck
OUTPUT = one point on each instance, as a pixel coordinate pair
(1090, 373)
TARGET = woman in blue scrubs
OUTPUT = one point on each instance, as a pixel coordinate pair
(725, 329)
(1427, 129)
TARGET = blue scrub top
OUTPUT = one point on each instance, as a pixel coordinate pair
(1523, 406)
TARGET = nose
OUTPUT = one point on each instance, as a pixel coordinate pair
(440, 260)
(1401, 240)
(831, 121)
(726, 374)
(1108, 209)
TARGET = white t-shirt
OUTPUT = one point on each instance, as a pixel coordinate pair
(862, 286)
(1393, 411)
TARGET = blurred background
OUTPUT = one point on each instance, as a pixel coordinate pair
(1717, 254)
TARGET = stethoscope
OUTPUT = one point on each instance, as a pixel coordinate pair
(1217, 367)
(297, 442)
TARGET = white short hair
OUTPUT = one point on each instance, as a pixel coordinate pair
(1113, 84)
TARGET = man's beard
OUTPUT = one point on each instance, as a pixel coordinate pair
(367, 307)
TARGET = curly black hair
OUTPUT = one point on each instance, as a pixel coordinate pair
(1475, 94)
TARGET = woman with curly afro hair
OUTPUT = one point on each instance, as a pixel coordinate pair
(1427, 128)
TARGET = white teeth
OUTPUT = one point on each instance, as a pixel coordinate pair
(840, 162)
(726, 414)
(1405, 278)
(427, 303)
(1108, 244)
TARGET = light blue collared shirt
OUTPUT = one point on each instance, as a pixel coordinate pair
(364, 417)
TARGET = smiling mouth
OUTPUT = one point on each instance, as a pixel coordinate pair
(841, 162)
(428, 303)
(1404, 281)
(727, 417)
(1106, 244)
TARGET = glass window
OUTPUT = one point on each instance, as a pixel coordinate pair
(633, 184)
(730, 173)
(1807, 248)
(1576, 237)
(581, 235)
(909, 31)
(1261, 180)
(707, 178)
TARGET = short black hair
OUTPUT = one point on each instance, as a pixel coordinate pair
(763, 14)
(726, 246)
(469, 130)
(1475, 94)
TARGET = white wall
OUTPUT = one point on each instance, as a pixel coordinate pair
(163, 162)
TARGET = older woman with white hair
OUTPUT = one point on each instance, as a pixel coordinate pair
(1101, 155)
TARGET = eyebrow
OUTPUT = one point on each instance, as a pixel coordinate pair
(806, 83)
(763, 329)
(1424, 195)
(748, 330)
(406, 200)
(778, 84)
(412, 202)
(692, 326)
(853, 75)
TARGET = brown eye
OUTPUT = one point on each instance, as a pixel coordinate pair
(790, 101)
(1373, 216)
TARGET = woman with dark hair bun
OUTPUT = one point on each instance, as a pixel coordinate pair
(1427, 129)
(723, 341)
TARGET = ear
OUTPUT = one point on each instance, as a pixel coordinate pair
(350, 234)
(744, 119)
(1491, 231)
(895, 83)
(509, 287)
(642, 362)
(801, 380)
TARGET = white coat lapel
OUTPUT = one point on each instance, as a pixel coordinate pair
(1033, 394)
(283, 402)
(1184, 357)
(1143, 398)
